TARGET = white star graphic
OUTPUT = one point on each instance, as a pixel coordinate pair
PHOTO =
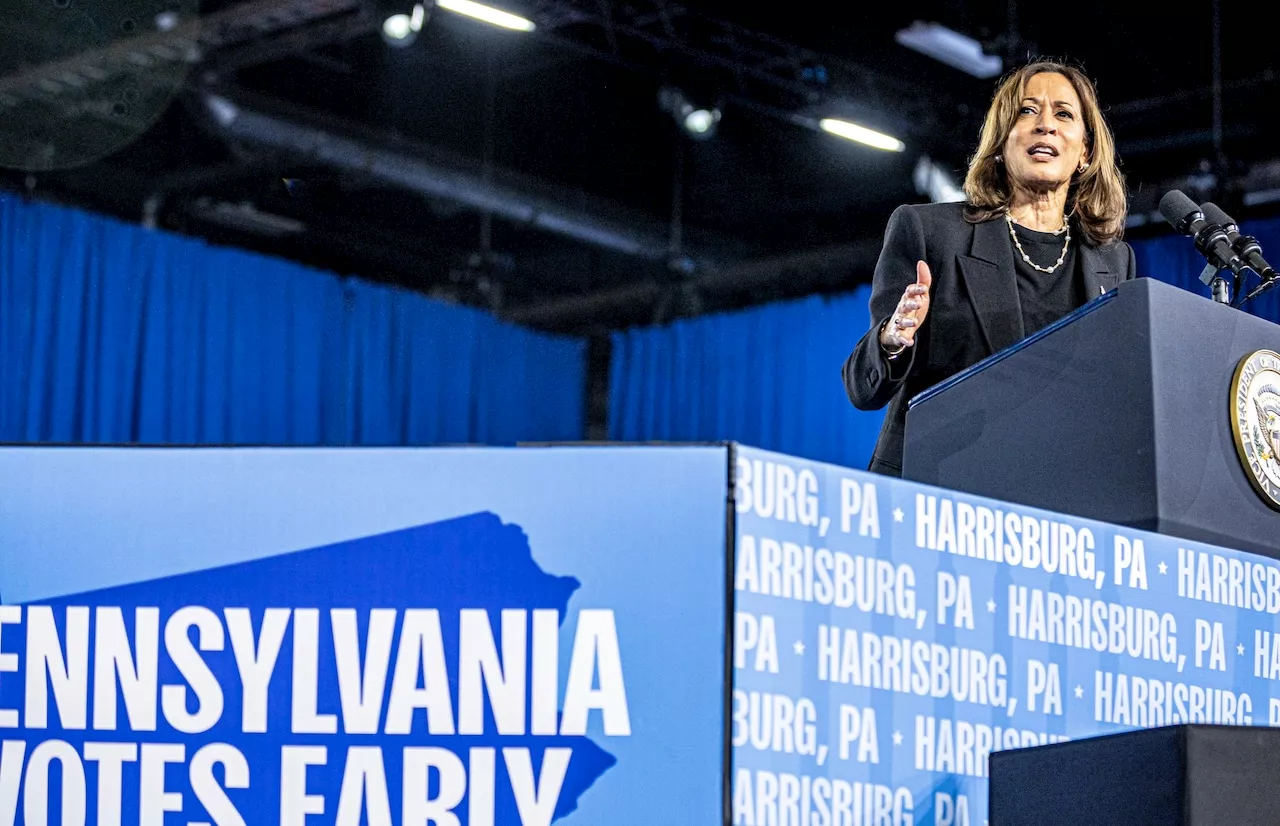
(991, 606)
(1079, 692)
(897, 738)
(898, 515)
(1240, 649)
(799, 647)
(1164, 569)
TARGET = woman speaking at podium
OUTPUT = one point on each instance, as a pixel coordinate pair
(1037, 237)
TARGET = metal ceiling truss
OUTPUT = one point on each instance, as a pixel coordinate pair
(299, 41)
(188, 42)
(654, 36)
(58, 113)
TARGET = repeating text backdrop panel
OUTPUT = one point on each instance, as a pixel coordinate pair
(889, 636)
(573, 599)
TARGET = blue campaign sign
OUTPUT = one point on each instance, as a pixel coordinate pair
(890, 636)
(256, 636)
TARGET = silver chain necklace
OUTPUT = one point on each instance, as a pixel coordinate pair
(1066, 228)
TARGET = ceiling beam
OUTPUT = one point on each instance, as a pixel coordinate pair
(296, 42)
(652, 35)
(317, 139)
(186, 43)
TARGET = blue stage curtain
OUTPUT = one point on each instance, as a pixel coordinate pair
(113, 334)
(769, 377)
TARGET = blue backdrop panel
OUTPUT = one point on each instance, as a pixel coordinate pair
(375, 587)
(889, 636)
(110, 333)
(768, 376)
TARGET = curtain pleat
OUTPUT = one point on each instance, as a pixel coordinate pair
(114, 334)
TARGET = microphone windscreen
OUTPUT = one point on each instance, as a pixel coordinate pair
(1214, 215)
(1175, 207)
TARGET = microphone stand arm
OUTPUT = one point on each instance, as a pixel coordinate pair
(1218, 285)
(1221, 290)
(1266, 284)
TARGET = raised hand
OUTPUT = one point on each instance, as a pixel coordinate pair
(900, 332)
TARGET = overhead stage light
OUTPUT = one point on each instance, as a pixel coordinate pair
(950, 47)
(400, 30)
(701, 123)
(861, 134)
(488, 14)
(698, 122)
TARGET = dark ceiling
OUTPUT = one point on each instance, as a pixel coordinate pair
(536, 173)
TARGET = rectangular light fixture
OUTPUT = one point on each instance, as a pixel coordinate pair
(861, 134)
(950, 47)
(488, 14)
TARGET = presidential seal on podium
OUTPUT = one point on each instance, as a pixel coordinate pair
(1255, 421)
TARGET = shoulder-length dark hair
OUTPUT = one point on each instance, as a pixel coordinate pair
(1096, 196)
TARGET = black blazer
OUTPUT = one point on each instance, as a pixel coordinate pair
(973, 312)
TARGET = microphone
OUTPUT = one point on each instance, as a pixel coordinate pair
(1211, 239)
(1246, 246)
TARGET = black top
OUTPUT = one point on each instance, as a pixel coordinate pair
(974, 307)
(1046, 297)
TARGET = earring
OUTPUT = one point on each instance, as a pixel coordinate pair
(1083, 166)
(999, 158)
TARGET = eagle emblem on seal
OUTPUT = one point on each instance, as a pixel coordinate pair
(1269, 423)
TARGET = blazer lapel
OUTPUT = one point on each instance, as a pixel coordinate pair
(1098, 278)
(992, 284)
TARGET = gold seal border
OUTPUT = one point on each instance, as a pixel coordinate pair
(1237, 428)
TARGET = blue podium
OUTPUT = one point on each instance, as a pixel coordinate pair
(1121, 412)
(1188, 775)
